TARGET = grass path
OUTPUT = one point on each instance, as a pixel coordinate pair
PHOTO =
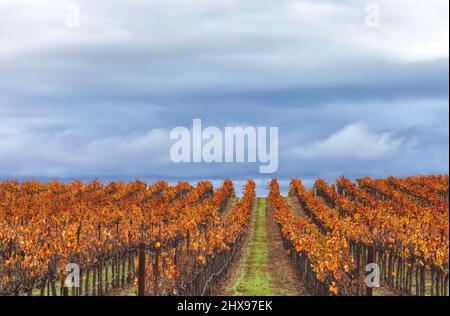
(263, 269)
(254, 277)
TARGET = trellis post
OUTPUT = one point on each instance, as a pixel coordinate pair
(141, 270)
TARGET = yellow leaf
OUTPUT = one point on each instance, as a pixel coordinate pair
(202, 259)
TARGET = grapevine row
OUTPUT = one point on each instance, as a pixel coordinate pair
(322, 260)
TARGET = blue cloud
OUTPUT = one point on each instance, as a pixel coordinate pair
(99, 101)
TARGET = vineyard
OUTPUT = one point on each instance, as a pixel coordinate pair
(96, 239)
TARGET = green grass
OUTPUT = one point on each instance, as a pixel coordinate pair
(254, 278)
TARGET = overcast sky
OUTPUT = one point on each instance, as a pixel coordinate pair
(99, 100)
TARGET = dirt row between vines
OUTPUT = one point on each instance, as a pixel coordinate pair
(262, 267)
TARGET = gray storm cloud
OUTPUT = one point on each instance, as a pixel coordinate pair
(354, 141)
(100, 100)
